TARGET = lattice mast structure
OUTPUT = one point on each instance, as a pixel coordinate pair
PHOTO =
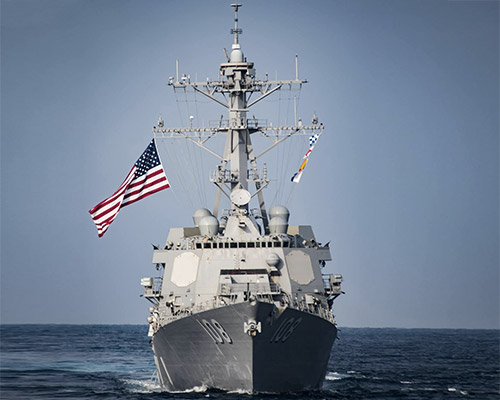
(238, 164)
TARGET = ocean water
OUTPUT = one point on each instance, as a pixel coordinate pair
(116, 362)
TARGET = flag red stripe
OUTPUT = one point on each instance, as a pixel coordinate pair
(103, 224)
(146, 177)
(147, 194)
(150, 189)
(116, 194)
(110, 210)
(109, 207)
(145, 185)
(103, 227)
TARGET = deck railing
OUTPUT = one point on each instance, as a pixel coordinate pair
(250, 288)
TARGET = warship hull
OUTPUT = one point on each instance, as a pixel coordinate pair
(250, 346)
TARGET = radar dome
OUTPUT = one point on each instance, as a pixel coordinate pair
(279, 211)
(278, 225)
(236, 54)
(199, 215)
(209, 226)
(272, 259)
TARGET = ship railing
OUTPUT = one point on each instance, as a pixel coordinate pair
(228, 176)
(154, 290)
(255, 176)
(251, 123)
(239, 298)
(198, 242)
(219, 242)
(251, 288)
(224, 176)
(317, 309)
(233, 298)
(206, 305)
(214, 302)
(332, 284)
(265, 298)
(178, 314)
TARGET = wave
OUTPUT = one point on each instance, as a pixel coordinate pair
(197, 389)
(240, 391)
(462, 392)
(336, 376)
(142, 386)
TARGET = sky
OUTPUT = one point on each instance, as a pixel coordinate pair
(404, 181)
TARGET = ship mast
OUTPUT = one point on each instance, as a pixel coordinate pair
(238, 81)
(236, 72)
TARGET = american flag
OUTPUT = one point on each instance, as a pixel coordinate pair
(145, 178)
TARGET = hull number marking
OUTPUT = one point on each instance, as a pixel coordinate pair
(285, 330)
(215, 330)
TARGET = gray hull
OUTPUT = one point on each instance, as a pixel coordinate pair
(212, 349)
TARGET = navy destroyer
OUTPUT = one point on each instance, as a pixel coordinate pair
(241, 302)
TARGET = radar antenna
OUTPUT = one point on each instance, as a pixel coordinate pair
(236, 30)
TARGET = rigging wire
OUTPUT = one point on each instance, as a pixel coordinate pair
(290, 196)
(191, 160)
(172, 170)
(278, 156)
(287, 155)
(198, 160)
(295, 150)
(174, 155)
(279, 160)
(192, 167)
(187, 181)
(190, 163)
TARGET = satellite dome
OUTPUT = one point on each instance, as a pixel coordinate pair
(209, 226)
(279, 211)
(199, 215)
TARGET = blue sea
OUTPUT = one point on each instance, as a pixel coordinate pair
(116, 362)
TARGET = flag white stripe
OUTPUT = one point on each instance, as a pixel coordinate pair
(117, 194)
(108, 208)
(149, 189)
(109, 213)
(145, 177)
(138, 184)
(157, 180)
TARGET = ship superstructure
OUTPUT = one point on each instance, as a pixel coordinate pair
(241, 303)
